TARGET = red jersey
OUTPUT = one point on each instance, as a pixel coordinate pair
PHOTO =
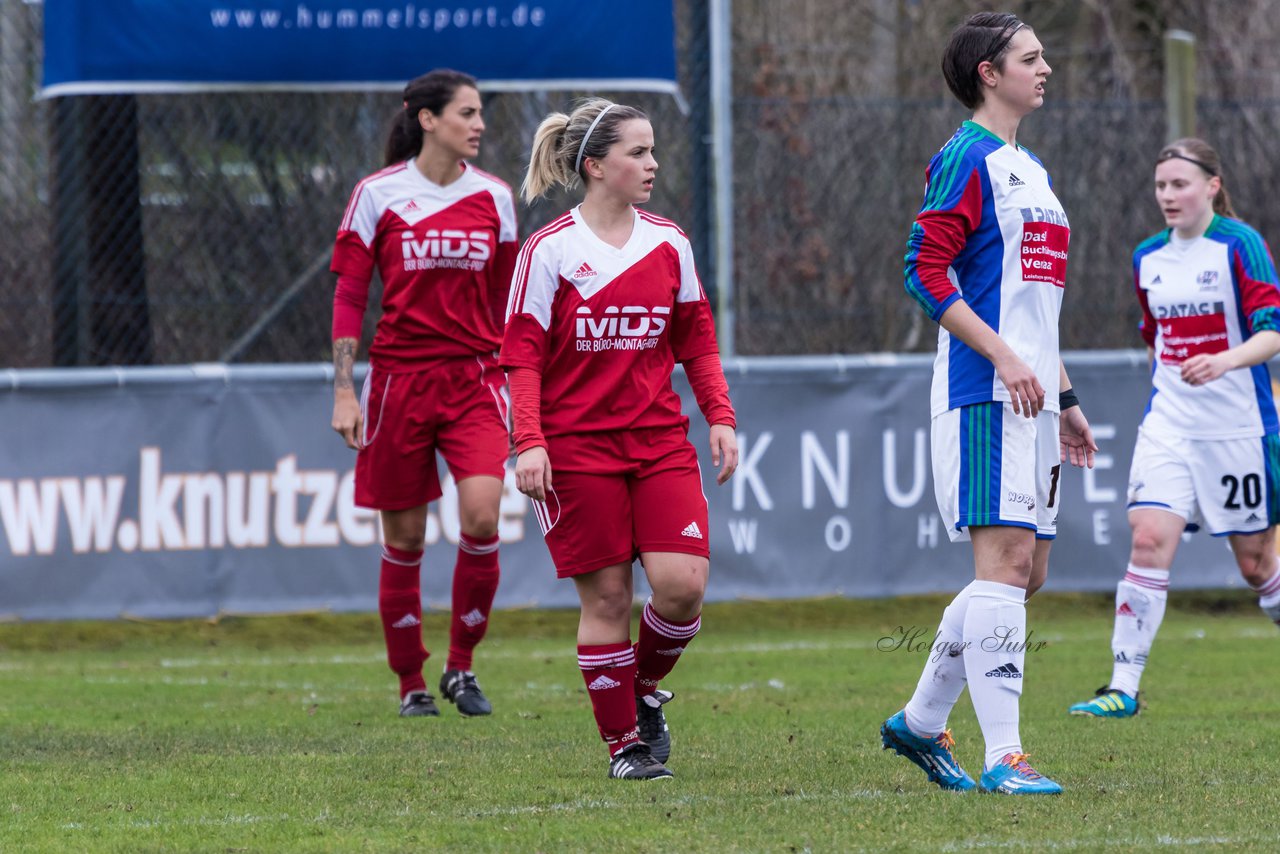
(445, 255)
(605, 326)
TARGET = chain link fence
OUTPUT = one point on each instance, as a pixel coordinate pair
(198, 227)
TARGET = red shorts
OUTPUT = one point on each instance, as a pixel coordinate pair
(647, 499)
(457, 407)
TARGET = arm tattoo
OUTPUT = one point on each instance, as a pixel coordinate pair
(344, 358)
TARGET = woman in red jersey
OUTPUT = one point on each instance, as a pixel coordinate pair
(442, 236)
(605, 300)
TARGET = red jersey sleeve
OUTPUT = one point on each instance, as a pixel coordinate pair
(1255, 275)
(693, 329)
(353, 249)
(706, 378)
(1146, 326)
(350, 298)
(533, 289)
(937, 237)
(525, 385)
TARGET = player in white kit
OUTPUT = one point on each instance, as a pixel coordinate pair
(987, 259)
(1208, 450)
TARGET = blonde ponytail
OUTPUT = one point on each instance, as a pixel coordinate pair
(546, 167)
(590, 131)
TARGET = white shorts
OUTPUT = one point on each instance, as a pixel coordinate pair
(1229, 485)
(993, 467)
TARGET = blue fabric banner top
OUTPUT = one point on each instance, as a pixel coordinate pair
(116, 46)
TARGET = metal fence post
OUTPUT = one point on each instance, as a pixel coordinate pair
(1180, 83)
(722, 165)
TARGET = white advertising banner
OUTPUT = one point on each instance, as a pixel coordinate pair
(172, 492)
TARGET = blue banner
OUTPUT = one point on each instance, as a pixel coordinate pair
(116, 46)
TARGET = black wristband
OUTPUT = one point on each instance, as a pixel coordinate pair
(1067, 399)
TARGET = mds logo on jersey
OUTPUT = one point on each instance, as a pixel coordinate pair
(630, 327)
(451, 248)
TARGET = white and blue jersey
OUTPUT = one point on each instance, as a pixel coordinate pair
(1206, 296)
(990, 232)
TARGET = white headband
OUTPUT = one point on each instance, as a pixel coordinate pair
(577, 166)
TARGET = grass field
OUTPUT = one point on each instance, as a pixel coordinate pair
(280, 734)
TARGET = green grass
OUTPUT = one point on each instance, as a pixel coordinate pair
(280, 734)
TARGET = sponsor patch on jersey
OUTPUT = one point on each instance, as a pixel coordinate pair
(1044, 253)
(1183, 337)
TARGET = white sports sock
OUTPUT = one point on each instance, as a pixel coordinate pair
(943, 679)
(995, 631)
(1269, 597)
(1141, 597)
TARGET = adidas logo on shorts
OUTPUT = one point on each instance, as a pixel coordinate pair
(692, 530)
(603, 683)
(1005, 671)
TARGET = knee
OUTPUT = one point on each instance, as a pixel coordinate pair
(1256, 567)
(1147, 548)
(679, 596)
(479, 519)
(1034, 584)
(611, 605)
(480, 524)
(406, 541)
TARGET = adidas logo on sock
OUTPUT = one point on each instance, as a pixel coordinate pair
(692, 530)
(1005, 671)
(584, 272)
(674, 651)
(1015, 181)
(603, 683)
(472, 618)
(408, 621)
(1125, 611)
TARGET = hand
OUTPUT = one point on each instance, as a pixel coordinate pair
(1025, 392)
(348, 421)
(724, 449)
(533, 473)
(1205, 368)
(1075, 438)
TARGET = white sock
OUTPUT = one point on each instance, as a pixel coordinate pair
(1269, 597)
(1141, 597)
(995, 634)
(943, 679)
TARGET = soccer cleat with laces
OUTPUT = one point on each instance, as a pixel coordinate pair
(418, 704)
(652, 723)
(637, 762)
(1108, 703)
(933, 755)
(1013, 776)
(461, 688)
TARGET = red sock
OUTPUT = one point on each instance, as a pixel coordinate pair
(659, 647)
(609, 669)
(475, 581)
(400, 604)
